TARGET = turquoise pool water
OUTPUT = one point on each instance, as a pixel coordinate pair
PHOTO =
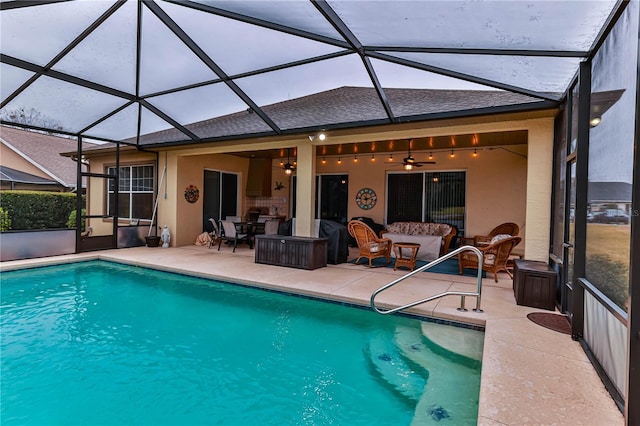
(110, 344)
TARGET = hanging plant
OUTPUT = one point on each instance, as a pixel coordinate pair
(191, 193)
(279, 186)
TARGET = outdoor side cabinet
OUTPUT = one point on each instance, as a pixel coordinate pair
(294, 252)
(534, 284)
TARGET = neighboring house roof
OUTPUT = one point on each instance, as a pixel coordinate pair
(346, 105)
(8, 174)
(43, 151)
(602, 192)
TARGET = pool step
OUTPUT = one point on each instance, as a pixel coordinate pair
(446, 398)
(464, 345)
(393, 368)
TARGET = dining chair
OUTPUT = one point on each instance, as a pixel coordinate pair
(230, 233)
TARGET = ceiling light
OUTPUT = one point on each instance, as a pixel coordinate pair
(595, 121)
(322, 136)
(408, 166)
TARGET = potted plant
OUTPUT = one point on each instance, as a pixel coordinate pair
(152, 240)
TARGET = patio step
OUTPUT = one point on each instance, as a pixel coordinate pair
(393, 369)
(446, 398)
(463, 345)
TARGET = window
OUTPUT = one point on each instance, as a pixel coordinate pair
(135, 199)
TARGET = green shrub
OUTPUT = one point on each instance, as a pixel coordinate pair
(5, 222)
(609, 276)
(37, 209)
(71, 223)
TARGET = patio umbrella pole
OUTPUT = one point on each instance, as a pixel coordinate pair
(155, 207)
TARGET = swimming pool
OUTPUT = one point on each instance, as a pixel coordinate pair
(103, 343)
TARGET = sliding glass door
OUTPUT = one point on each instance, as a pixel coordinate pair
(427, 197)
(220, 196)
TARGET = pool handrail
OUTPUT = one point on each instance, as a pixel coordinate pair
(462, 294)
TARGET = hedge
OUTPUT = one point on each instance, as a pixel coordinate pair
(38, 210)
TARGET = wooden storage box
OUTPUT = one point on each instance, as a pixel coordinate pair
(294, 252)
(534, 284)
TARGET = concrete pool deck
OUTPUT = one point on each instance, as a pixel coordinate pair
(530, 375)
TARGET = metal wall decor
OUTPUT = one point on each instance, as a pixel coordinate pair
(191, 193)
(366, 198)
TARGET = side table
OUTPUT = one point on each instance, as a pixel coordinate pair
(402, 260)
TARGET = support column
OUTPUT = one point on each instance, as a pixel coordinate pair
(305, 190)
(539, 185)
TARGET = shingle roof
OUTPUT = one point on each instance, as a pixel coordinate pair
(347, 105)
(8, 174)
(609, 192)
(44, 150)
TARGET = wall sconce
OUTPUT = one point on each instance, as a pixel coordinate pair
(321, 136)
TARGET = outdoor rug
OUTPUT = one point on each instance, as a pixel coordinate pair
(449, 266)
(555, 322)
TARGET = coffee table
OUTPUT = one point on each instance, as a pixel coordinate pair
(405, 254)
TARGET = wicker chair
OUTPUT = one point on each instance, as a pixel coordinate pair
(371, 247)
(494, 256)
(502, 229)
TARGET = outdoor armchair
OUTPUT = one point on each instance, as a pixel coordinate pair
(494, 256)
(370, 246)
(507, 228)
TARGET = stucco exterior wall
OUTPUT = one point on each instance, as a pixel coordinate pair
(12, 160)
(183, 218)
(496, 183)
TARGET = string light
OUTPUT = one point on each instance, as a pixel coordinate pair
(324, 160)
(390, 157)
(373, 157)
(475, 153)
(431, 156)
(339, 160)
(355, 158)
(452, 154)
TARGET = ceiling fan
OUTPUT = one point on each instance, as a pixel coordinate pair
(409, 162)
(288, 167)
